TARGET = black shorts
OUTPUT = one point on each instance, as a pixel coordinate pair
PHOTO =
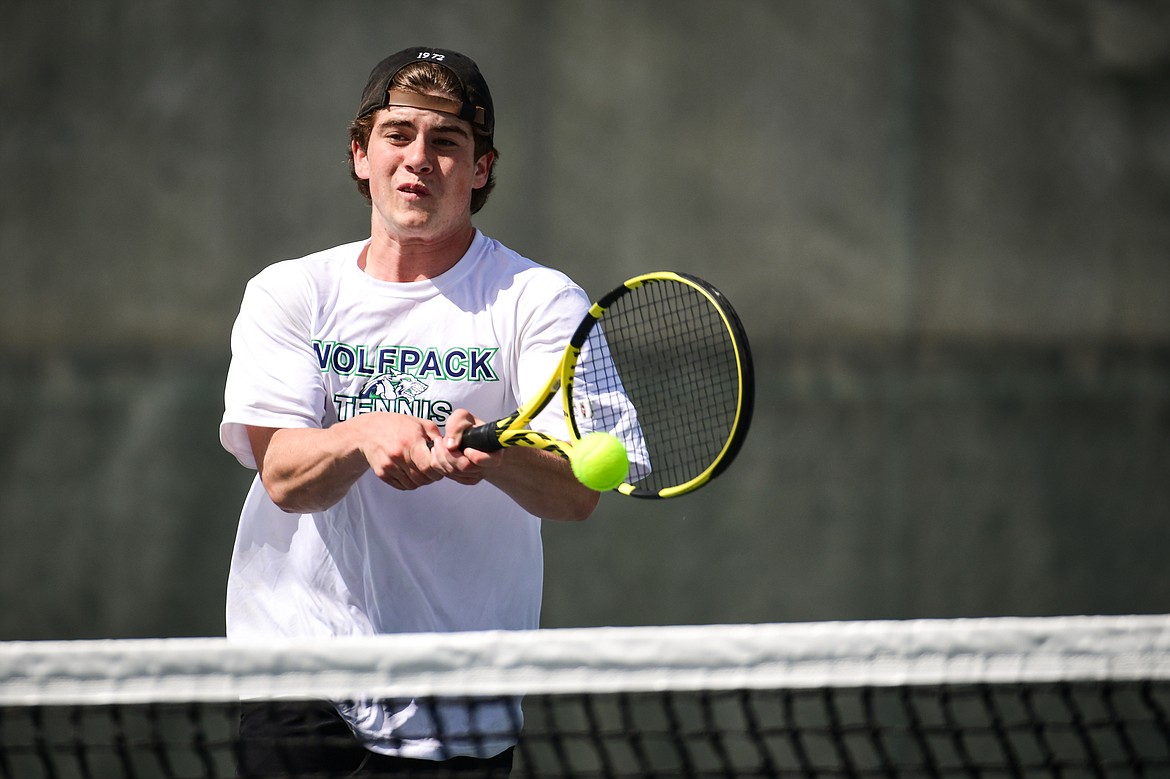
(310, 739)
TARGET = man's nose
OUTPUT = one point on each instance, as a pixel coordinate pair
(418, 155)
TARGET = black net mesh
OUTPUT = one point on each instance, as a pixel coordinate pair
(1075, 729)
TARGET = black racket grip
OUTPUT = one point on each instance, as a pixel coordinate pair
(482, 437)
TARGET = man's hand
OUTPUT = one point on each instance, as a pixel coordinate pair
(466, 466)
(398, 448)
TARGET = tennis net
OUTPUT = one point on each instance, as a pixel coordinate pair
(1052, 697)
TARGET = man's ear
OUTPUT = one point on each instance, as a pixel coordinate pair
(361, 163)
(483, 169)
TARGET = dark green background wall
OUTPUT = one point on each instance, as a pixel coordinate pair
(946, 224)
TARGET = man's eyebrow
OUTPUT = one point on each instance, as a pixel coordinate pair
(452, 127)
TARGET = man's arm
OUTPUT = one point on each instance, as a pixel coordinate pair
(311, 469)
(542, 483)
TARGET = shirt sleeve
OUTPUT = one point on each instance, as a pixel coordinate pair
(274, 379)
(543, 340)
(608, 407)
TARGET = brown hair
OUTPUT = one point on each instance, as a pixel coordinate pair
(424, 78)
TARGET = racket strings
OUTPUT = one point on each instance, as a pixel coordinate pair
(660, 371)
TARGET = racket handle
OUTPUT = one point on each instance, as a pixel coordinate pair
(483, 438)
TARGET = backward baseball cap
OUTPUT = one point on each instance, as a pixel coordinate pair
(474, 105)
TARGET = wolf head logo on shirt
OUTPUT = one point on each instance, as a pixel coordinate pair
(393, 385)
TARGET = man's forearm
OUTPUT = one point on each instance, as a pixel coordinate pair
(543, 484)
(308, 469)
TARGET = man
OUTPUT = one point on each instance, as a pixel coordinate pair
(355, 371)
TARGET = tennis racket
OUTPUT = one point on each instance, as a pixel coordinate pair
(662, 362)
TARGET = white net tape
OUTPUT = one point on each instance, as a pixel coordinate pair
(712, 657)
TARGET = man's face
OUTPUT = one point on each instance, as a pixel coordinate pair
(421, 167)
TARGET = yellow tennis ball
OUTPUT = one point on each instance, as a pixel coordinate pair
(600, 461)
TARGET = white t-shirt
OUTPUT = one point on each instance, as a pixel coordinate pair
(317, 341)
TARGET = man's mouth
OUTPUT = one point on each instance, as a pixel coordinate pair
(416, 188)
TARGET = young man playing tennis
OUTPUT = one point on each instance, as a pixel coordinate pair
(354, 373)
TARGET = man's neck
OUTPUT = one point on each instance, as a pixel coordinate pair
(394, 258)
